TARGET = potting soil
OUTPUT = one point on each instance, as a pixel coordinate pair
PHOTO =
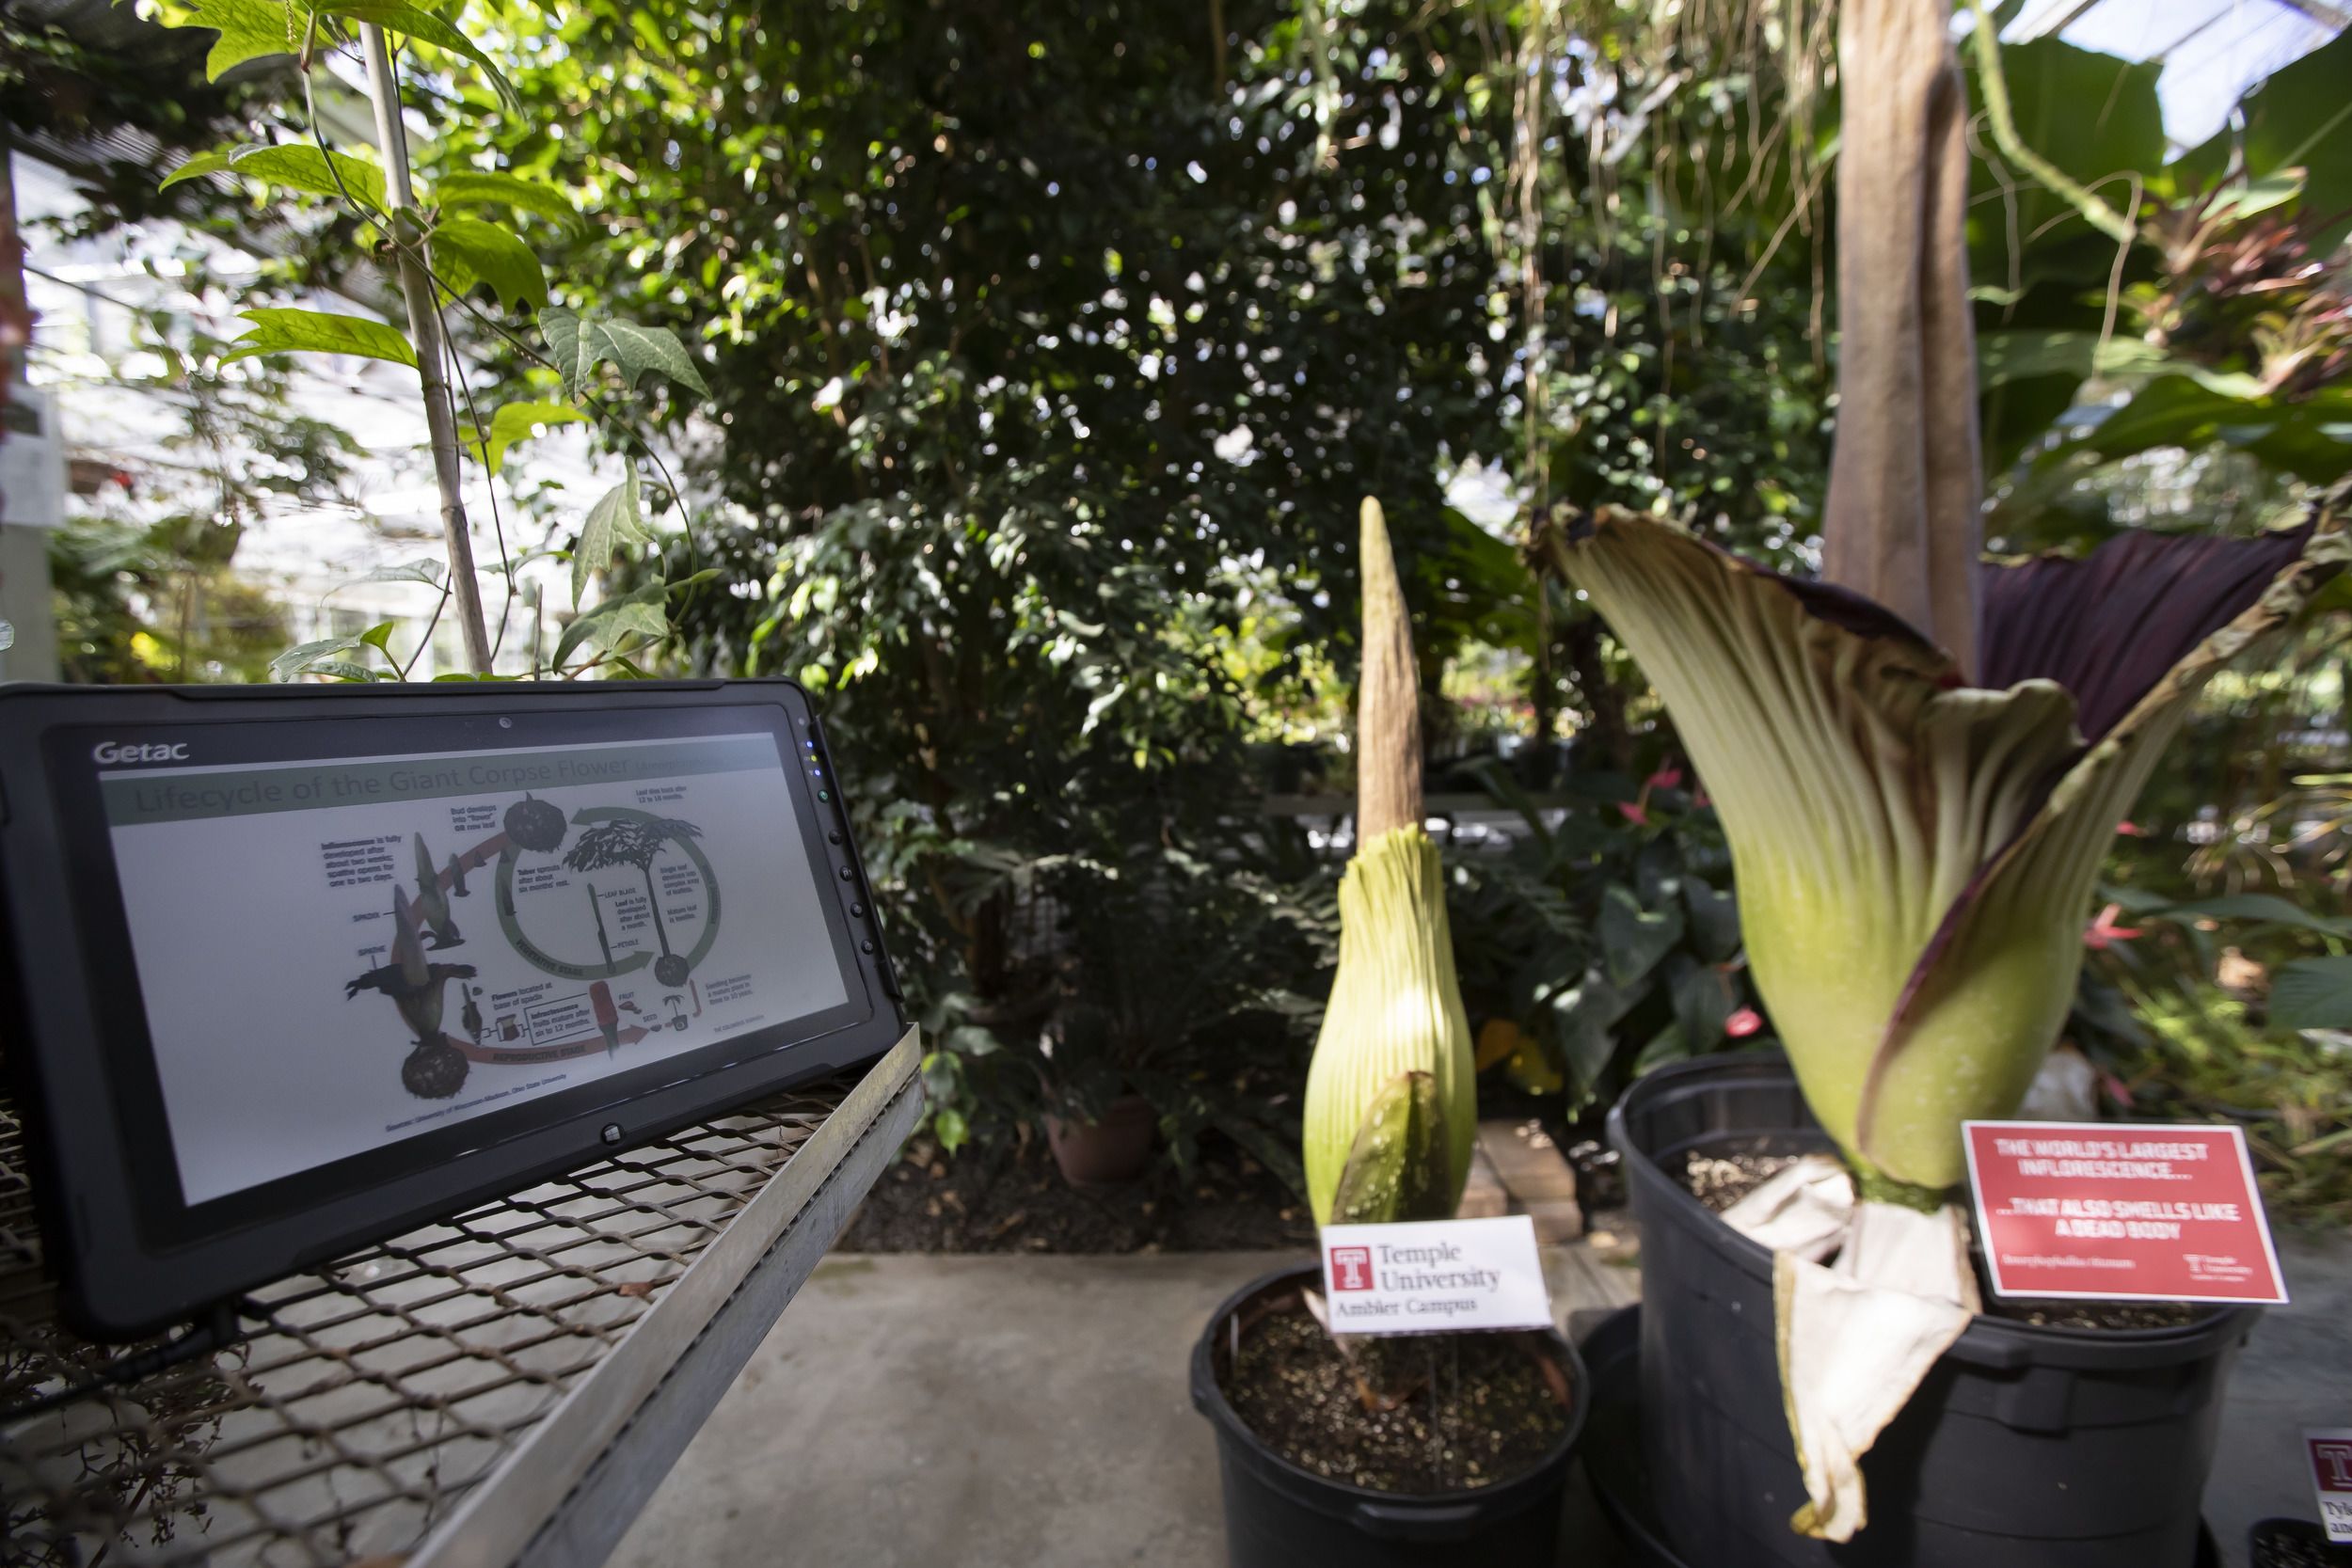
(1477, 1408)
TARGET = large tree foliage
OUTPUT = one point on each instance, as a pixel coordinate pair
(1050, 345)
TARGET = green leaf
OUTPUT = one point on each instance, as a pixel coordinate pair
(617, 518)
(2095, 117)
(578, 343)
(1582, 1021)
(949, 1126)
(638, 349)
(1714, 920)
(427, 571)
(278, 330)
(2264, 908)
(2313, 993)
(568, 345)
(2299, 118)
(344, 669)
(250, 30)
(304, 169)
(394, 17)
(470, 189)
(378, 635)
(311, 658)
(1702, 1000)
(466, 251)
(1633, 939)
(215, 161)
(639, 610)
(520, 422)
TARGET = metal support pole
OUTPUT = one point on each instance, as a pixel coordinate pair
(424, 331)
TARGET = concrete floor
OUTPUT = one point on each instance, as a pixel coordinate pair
(1012, 1412)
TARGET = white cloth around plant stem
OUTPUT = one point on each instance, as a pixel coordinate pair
(1854, 1337)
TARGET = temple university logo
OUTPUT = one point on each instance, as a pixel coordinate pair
(2331, 1464)
(1351, 1270)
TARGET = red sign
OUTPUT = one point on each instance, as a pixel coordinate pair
(1351, 1268)
(2102, 1210)
(2331, 1477)
(2332, 1464)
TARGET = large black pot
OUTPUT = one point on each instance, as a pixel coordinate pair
(2024, 1447)
(1278, 1516)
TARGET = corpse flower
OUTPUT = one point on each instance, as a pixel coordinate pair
(1916, 853)
(1391, 1096)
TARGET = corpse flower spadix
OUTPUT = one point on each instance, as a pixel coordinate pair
(1915, 855)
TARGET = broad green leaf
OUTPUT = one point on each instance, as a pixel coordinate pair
(2004, 357)
(379, 636)
(638, 349)
(2313, 993)
(306, 168)
(2265, 907)
(1582, 1020)
(568, 345)
(428, 571)
(2299, 118)
(2095, 117)
(278, 330)
(1633, 939)
(303, 659)
(345, 670)
(578, 343)
(638, 611)
(471, 189)
(250, 30)
(1714, 920)
(1703, 1000)
(215, 161)
(425, 28)
(617, 518)
(466, 251)
(520, 422)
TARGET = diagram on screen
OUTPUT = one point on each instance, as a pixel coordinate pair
(593, 906)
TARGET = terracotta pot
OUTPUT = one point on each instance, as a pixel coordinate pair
(1115, 1148)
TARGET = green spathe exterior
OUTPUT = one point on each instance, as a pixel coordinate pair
(1914, 856)
(1394, 1048)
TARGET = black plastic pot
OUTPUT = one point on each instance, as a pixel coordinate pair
(1278, 1516)
(2024, 1447)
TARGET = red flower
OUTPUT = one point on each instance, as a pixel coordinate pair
(1634, 811)
(2103, 932)
(1746, 1022)
(2130, 828)
(1665, 778)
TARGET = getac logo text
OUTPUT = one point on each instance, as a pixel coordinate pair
(114, 750)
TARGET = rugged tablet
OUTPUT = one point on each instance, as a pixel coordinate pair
(291, 968)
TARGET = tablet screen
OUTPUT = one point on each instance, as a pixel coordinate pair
(336, 955)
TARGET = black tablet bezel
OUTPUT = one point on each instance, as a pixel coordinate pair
(139, 1258)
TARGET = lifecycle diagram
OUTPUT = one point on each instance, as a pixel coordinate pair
(576, 899)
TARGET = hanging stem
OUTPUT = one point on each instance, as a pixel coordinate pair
(424, 331)
(2097, 214)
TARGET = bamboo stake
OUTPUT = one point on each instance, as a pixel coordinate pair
(425, 330)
